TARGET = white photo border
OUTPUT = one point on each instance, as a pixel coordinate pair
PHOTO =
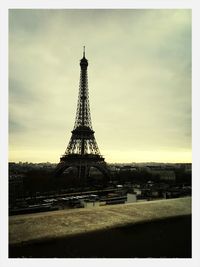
(70, 4)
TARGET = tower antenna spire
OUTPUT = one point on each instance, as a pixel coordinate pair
(83, 51)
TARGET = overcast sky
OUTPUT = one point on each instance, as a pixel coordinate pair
(139, 82)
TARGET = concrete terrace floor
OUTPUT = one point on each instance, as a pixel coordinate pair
(157, 222)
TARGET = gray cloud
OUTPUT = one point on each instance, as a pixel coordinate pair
(139, 80)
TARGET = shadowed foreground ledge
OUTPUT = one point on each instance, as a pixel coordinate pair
(145, 229)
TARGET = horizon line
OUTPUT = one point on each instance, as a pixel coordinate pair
(135, 162)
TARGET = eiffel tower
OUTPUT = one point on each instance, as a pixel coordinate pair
(82, 151)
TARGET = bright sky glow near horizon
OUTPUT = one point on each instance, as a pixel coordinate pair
(139, 78)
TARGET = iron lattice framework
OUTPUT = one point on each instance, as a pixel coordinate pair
(82, 151)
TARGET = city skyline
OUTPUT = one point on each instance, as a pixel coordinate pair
(139, 78)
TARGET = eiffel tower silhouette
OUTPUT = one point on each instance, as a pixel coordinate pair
(82, 151)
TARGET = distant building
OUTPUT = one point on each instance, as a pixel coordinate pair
(16, 187)
(168, 175)
(128, 168)
(188, 167)
(90, 204)
(131, 198)
(164, 174)
(137, 191)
